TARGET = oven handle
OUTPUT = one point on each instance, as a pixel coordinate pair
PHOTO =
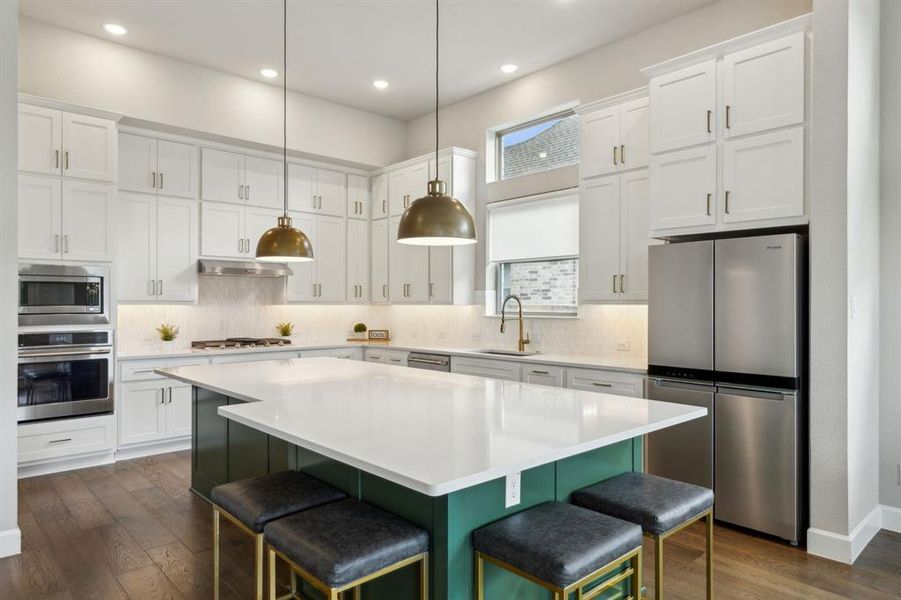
(98, 352)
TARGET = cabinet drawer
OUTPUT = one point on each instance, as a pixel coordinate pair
(544, 375)
(65, 439)
(141, 370)
(254, 357)
(388, 357)
(481, 367)
(347, 353)
(608, 382)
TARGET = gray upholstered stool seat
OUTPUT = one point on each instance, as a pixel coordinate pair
(343, 542)
(256, 501)
(656, 503)
(558, 543)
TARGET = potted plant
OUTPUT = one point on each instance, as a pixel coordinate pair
(285, 328)
(360, 330)
(167, 332)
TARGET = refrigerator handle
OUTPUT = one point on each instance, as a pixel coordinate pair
(762, 394)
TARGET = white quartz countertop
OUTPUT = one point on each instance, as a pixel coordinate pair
(432, 432)
(628, 365)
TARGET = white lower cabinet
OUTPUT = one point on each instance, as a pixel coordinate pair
(544, 375)
(178, 413)
(386, 356)
(486, 367)
(254, 357)
(48, 441)
(609, 382)
(154, 410)
(323, 279)
(346, 353)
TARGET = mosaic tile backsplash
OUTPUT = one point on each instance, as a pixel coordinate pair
(234, 306)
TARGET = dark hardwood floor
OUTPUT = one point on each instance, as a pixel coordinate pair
(133, 531)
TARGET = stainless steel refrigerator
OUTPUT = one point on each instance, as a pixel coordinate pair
(727, 324)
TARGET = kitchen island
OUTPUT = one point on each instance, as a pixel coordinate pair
(438, 449)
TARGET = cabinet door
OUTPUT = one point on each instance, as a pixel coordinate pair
(379, 194)
(176, 164)
(397, 192)
(141, 412)
(137, 163)
(635, 222)
(301, 188)
(300, 284)
(357, 261)
(483, 367)
(331, 248)
(40, 140)
(543, 375)
(763, 176)
(441, 275)
(417, 265)
(262, 182)
(178, 411)
(635, 149)
(379, 261)
(40, 217)
(683, 188)
(599, 231)
(331, 187)
(221, 229)
(397, 264)
(621, 384)
(176, 263)
(763, 86)
(136, 247)
(89, 147)
(600, 142)
(683, 107)
(357, 196)
(88, 217)
(256, 222)
(222, 176)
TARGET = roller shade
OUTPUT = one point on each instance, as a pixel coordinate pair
(530, 229)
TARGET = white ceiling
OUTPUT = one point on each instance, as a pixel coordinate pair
(337, 47)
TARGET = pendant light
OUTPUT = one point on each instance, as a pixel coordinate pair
(284, 243)
(436, 219)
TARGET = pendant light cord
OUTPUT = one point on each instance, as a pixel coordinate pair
(437, 43)
(285, 103)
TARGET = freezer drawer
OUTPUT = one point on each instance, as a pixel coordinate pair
(757, 316)
(757, 461)
(680, 309)
(683, 452)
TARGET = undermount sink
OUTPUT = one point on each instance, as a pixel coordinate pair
(507, 352)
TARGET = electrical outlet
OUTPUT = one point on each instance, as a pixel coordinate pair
(512, 486)
(623, 346)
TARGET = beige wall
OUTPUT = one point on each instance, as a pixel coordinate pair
(61, 64)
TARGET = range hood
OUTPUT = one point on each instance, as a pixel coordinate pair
(243, 268)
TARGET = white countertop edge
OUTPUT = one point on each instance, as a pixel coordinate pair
(455, 485)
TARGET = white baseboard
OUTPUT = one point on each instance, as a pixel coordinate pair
(10, 542)
(891, 518)
(66, 464)
(845, 548)
(129, 452)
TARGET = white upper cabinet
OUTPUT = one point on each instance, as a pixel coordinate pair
(357, 261)
(684, 188)
(763, 176)
(222, 230)
(136, 228)
(257, 221)
(53, 142)
(379, 196)
(40, 217)
(317, 190)
(157, 166)
(683, 107)
(635, 221)
(301, 286)
(379, 261)
(176, 249)
(302, 188)
(599, 232)
(331, 190)
(357, 196)
(614, 137)
(324, 278)
(262, 182)
(40, 140)
(223, 176)
(88, 212)
(406, 185)
(763, 86)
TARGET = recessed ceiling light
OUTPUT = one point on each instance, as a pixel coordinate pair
(269, 73)
(509, 68)
(115, 29)
(380, 84)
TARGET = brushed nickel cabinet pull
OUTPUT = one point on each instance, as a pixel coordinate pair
(536, 372)
(59, 441)
(622, 154)
(65, 244)
(241, 192)
(709, 126)
(153, 179)
(241, 245)
(622, 283)
(162, 395)
(161, 181)
(152, 287)
(727, 202)
(599, 384)
(708, 204)
(56, 158)
(384, 290)
(56, 242)
(431, 290)
(160, 287)
(67, 160)
(728, 125)
(384, 207)
(614, 284)
(614, 155)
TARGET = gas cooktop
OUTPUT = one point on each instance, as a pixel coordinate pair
(240, 343)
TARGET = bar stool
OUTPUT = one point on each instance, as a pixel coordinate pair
(661, 506)
(251, 503)
(562, 548)
(340, 546)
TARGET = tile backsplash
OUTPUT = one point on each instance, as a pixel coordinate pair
(235, 306)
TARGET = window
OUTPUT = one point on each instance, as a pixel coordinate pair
(533, 249)
(541, 145)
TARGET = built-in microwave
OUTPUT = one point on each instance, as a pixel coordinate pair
(63, 295)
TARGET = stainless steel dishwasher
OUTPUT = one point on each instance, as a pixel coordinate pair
(429, 362)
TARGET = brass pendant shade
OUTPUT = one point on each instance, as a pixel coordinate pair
(436, 220)
(284, 243)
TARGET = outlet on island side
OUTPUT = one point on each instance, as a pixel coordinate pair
(512, 486)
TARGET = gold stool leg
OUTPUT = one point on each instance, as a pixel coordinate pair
(358, 592)
(215, 553)
(636, 576)
(479, 577)
(658, 567)
(258, 565)
(710, 555)
(272, 594)
(424, 578)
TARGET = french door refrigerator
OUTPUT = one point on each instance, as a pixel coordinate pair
(726, 330)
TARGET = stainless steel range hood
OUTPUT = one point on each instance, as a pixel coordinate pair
(242, 268)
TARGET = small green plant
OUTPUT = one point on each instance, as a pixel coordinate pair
(285, 328)
(360, 328)
(167, 332)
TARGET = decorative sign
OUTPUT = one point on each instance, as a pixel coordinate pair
(378, 334)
